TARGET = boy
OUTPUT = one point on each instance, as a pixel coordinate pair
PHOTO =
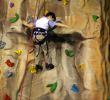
(40, 37)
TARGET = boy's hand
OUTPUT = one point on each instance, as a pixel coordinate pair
(30, 25)
(24, 22)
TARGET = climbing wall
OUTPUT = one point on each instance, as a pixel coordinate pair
(80, 54)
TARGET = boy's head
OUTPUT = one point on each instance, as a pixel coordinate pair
(51, 16)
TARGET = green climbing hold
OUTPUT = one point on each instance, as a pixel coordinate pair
(95, 17)
(108, 99)
(14, 19)
(69, 53)
(52, 86)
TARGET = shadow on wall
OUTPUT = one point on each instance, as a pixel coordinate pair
(76, 37)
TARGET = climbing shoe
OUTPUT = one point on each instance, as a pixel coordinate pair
(49, 66)
(39, 68)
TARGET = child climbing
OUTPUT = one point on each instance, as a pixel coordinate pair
(40, 37)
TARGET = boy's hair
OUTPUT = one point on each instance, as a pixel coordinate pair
(51, 14)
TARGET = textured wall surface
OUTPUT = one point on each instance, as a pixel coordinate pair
(88, 69)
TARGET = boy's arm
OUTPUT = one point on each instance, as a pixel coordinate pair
(30, 25)
(62, 25)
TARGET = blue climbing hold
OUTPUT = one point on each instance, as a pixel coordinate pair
(75, 88)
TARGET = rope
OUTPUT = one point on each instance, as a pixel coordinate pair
(2, 30)
(39, 10)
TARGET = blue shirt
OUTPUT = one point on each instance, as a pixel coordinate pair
(51, 24)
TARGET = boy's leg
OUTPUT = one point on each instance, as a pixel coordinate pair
(38, 58)
(48, 59)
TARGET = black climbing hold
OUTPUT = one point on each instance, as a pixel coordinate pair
(49, 66)
(2, 44)
(39, 68)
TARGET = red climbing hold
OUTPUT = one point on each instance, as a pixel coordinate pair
(9, 63)
(6, 97)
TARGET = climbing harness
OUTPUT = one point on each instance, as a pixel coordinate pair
(40, 37)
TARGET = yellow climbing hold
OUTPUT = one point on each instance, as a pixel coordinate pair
(46, 11)
(18, 52)
(65, 2)
(81, 66)
(32, 69)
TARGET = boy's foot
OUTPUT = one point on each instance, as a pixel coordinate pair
(49, 66)
(39, 68)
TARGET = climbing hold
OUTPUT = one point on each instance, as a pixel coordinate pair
(65, 2)
(69, 53)
(46, 11)
(52, 86)
(108, 99)
(18, 52)
(8, 74)
(81, 66)
(75, 88)
(2, 44)
(12, 28)
(32, 69)
(6, 97)
(29, 19)
(14, 19)
(9, 63)
(11, 4)
(39, 68)
(95, 17)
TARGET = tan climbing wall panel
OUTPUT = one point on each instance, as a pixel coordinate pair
(82, 76)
